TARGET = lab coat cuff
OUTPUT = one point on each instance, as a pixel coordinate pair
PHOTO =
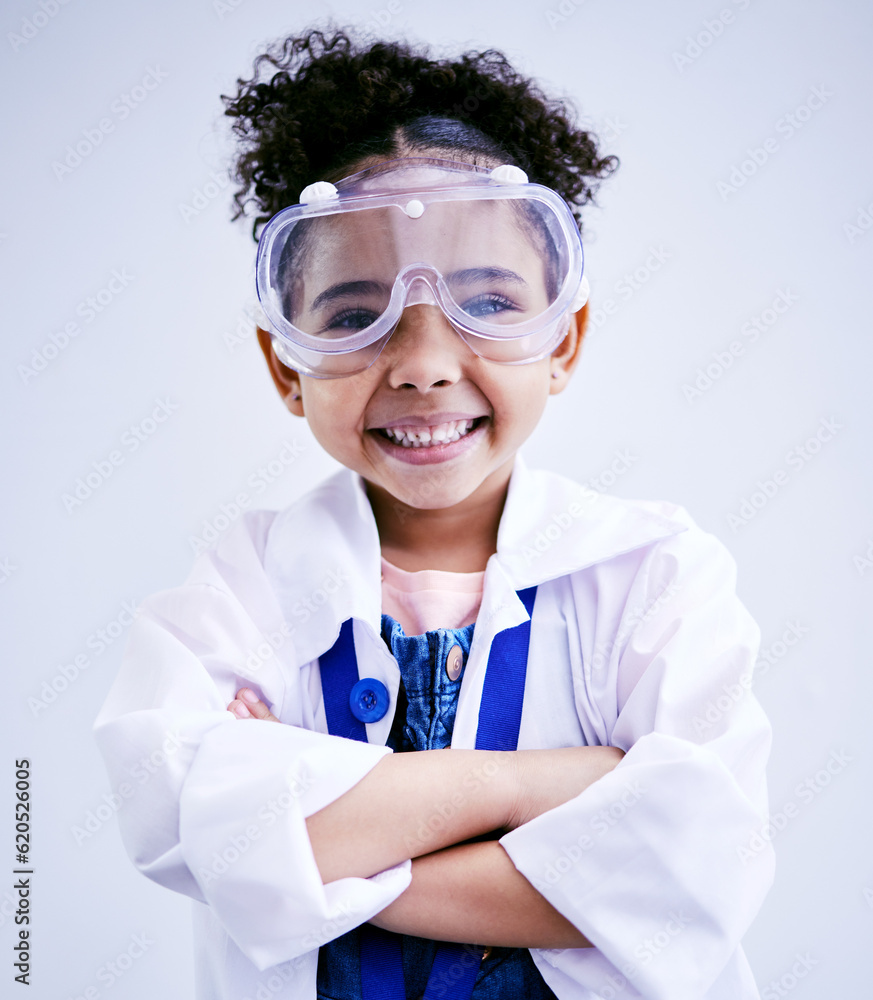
(243, 835)
(647, 863)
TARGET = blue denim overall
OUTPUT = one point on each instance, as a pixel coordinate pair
(424, 720)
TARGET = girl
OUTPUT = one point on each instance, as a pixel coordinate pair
(595, 833)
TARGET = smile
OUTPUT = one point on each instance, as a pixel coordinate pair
(430, 437)
(427, 444)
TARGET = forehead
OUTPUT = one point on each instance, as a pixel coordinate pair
(444, 231)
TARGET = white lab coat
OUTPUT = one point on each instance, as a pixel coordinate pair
(638, 640)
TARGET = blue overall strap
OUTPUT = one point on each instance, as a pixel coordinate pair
(382, 972)
(455, 966)
(381, 964)
(454, 971)
(341, 665)
(503, 689)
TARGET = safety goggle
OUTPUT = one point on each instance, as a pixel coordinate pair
(501, 257)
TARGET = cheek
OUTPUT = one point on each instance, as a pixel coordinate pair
(522, 401)
(333, 416)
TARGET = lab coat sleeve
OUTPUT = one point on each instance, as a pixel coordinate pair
(661, 863)
(215, 807)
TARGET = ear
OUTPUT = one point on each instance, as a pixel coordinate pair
(566, 355)
(286, 380)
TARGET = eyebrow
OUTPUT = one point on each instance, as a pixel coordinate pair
(470, 275)
(344, 288)
(467, 276)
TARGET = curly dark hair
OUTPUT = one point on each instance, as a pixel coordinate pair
(333, 102)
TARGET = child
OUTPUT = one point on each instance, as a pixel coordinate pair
(596, 831)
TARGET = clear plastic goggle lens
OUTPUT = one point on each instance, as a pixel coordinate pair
(503, 263)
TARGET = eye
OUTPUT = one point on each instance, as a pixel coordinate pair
(350, 320)
(489, 304)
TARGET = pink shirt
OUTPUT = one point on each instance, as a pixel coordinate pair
(430, 598)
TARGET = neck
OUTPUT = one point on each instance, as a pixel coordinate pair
(457, 539)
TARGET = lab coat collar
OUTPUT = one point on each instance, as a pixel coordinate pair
(552, 526)
(323, 555)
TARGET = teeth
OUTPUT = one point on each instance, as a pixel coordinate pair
(424, 437)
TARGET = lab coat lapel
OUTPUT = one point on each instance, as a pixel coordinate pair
(323, 559)
(552, 526)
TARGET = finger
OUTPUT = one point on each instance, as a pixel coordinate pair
(253, 704)
(239, 709)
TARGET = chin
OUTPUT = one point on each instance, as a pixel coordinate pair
(430, 496)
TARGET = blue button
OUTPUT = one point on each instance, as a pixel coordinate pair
(369, 700)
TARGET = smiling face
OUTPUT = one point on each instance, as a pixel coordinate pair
(429, 424)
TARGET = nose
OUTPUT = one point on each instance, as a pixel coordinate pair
(425, 351)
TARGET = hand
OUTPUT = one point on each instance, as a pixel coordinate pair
(247, 705)
(545, 779)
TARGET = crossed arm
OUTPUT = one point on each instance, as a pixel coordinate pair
(425, 806)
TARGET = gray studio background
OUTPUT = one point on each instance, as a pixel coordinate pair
(141, 224)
